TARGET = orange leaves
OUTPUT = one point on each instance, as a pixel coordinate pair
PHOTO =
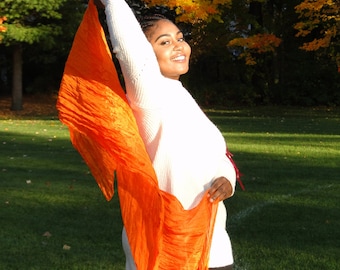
(320, 19)
(193, 11)
(261, 43)
(258, 44)
(2, 28)
(312, 6)
(318, 14)
(318, 43)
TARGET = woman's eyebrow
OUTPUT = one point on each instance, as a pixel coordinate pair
(168, 35)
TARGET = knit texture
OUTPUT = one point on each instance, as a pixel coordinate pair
(162, 235)
(186, 149)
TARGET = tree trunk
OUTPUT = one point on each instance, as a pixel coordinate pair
(17, 79)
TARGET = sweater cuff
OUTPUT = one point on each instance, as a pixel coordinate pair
(226, 169)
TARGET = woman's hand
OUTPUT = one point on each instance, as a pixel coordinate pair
(220, 190)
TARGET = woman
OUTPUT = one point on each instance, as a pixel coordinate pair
(186, 149)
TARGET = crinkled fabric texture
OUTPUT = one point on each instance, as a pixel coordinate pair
(102, 127)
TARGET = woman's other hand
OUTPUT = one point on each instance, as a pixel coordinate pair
(220, 190)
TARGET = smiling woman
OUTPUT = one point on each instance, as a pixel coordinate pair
(168, 43)
(186, 149)
(179, 219)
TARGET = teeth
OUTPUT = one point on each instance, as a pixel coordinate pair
(179, 58)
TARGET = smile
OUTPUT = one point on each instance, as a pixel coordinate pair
(179, 58)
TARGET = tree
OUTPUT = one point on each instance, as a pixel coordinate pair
(30, 22)
(193, 11)
(254, 45)
(320, 21)
(257, 39)
(249, 48)
(2, 28)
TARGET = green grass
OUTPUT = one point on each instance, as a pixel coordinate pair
(46, 189)
(288, 217)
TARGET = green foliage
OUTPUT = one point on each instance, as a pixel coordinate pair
(44, 65)
(45, 29)
(49, 24)
(31, 21)
(30, 10)
(217, 77)
(31, 35)
(289, 76)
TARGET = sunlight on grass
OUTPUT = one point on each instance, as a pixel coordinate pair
(46, 189)
(53, 215)
(308, 147)
(289, 214)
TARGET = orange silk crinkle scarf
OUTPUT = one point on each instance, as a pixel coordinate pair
(92, 103)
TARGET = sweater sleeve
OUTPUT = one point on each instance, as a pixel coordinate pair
(227, 170)
(134, 52)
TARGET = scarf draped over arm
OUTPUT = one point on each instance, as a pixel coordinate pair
(92, 103)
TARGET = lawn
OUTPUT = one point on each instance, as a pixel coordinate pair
(289, 215)
(53, 215)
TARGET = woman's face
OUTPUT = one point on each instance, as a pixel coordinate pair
(171, 50)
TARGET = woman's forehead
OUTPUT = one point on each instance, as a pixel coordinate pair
(163, 27)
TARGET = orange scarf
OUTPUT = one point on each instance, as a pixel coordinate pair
(92, 103)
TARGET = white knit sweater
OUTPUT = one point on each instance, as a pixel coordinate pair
(186, 149)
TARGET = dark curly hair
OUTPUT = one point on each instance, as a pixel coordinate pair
(147, 22)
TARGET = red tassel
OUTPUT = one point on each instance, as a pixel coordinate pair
(238, 174)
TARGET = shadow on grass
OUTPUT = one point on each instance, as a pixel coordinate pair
(288, 217)
(52, 213)
(40, 235)
(285, 234)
